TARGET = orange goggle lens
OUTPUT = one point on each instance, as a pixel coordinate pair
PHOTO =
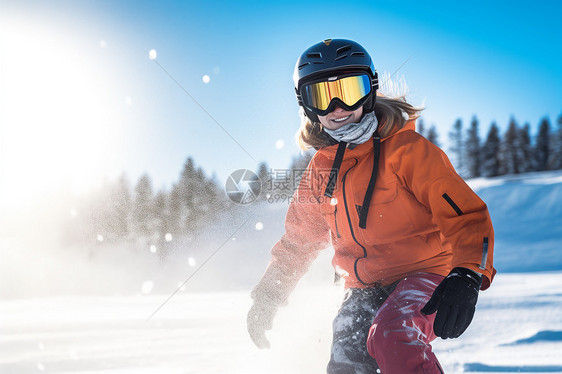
(349, 90)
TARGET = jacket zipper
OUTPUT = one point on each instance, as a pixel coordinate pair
(351, 229)
(336, 221)
(484, 254)
(453, 205)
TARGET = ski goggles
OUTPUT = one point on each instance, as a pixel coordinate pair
(350, 91)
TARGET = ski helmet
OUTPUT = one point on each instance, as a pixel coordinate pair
(331, 56)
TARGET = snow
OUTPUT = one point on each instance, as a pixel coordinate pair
(517, 327)
(527, 214)
(191, 261)
(65, 311)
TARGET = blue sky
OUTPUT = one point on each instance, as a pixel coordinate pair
(494, 61)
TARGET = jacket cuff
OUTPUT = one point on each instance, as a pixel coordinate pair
(487, 275)
(468, 275)
(275, 286)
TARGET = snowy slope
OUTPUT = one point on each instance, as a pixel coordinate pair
(517, 328)
(527, 214)
(65, 311)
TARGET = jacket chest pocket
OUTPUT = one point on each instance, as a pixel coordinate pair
(388, 219)
(330, 213)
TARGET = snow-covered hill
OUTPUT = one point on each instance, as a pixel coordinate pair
(73, 311)
(517, 328)
(527, 214)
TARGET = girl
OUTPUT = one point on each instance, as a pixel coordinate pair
(413, 243)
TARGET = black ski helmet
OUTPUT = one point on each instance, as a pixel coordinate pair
(333, 55)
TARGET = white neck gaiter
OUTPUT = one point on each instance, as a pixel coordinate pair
(356, 133)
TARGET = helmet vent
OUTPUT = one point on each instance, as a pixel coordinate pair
(358, 54)
(314, 55)
(343, 50)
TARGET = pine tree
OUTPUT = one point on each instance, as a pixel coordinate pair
(188, 188)
(457, 147)
(542, 145)
(472, 149)
(95, 215)
(175, 209)
(200, 199)
(205, 201)
(525, 151)
(264, 175)
(420, 127)
(217, 199)
(555, 161)
(510, 162)
(143, 209)
(105, 216)
(120, 211)
(162, 223)
(490, 152)
(433, 135)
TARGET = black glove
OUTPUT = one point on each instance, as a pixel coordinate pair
(259, 320)
(454, 300)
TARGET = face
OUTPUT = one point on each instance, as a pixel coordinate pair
(339, 117)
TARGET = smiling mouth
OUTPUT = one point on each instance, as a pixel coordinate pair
(341, 119)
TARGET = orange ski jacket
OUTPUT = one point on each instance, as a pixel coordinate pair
(422, 216)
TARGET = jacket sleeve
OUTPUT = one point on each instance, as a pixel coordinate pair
(306, 233)
(462, 217)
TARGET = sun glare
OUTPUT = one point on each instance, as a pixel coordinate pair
(55, 112)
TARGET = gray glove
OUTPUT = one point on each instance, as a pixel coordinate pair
(271, 292)
(260, 319)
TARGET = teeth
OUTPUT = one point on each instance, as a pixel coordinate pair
(341, 119)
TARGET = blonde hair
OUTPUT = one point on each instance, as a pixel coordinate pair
(391, 113)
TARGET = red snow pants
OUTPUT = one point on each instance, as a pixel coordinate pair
(400, 336)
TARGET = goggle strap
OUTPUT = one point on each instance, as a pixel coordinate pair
(299, 97)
